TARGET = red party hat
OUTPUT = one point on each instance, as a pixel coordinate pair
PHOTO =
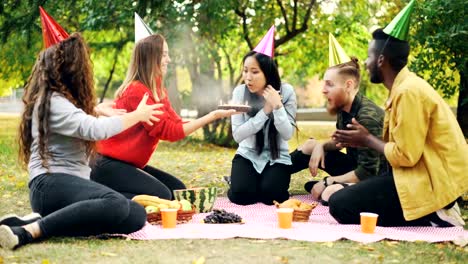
(52, 32)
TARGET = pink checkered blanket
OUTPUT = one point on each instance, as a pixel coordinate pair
(261, 223)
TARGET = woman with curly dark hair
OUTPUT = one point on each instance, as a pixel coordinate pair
(57, 133)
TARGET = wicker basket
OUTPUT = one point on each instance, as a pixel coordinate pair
(182, 216)
(300, 215)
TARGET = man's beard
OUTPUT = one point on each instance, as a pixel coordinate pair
(332, 110)
(336, 108)
(375, 74)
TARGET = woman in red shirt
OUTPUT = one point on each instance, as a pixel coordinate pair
(122, 160)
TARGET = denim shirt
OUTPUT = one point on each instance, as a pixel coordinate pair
(244, 128)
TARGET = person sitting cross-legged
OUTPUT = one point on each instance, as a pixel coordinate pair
(341, 88)
(422, 142)
(58, 131)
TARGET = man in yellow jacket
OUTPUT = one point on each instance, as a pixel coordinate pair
(422, 142)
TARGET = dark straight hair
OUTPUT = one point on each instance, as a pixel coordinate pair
(270, 70)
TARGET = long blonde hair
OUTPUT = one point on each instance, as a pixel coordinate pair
(145, 66)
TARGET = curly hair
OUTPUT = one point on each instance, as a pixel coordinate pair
(64, 68)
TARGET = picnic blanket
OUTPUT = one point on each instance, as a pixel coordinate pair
(261, 223)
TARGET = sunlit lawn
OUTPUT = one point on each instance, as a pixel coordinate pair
(199, 164)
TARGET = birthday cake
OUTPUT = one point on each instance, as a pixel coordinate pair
(237, 107)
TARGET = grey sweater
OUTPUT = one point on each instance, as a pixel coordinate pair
(245, 127)
(69, 128)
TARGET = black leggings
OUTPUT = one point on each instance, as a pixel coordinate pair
(376, 195)
(73, 206)
(249, 187)
(130, 180)
(337, 163)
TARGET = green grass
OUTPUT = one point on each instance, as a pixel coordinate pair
(199, 164)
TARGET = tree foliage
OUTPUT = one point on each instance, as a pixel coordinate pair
(441, 36)
(209, 38)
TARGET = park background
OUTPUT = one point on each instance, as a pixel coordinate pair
(207, 40)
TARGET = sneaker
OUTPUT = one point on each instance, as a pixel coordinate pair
(448, 217)
(227, 179)
(308, 186)
(14, 220)
(14, 237)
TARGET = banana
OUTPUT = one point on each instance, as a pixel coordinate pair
(149, 200)
(146, 200)
(163, 206)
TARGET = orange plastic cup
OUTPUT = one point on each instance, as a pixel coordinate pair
(368, 222)
(285, 216)
(169, 217)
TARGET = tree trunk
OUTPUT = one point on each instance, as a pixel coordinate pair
(111, 74)
(462, 108)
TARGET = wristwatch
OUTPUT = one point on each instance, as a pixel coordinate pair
(325, 181)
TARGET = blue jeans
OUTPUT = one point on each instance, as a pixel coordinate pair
(73, 206)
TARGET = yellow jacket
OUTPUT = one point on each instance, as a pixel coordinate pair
(426, 147)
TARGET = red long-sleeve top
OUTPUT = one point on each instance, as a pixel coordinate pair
(136, 144)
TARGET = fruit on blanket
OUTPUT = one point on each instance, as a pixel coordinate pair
(202, 198)
(163, 206)
(220, 216)
(186, 205)
(147, 200)
(295, 204)
(305, 206)
(175, 205)
(291, 203)
(151, 209)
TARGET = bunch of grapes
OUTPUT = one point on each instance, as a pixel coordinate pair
(220, 216)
